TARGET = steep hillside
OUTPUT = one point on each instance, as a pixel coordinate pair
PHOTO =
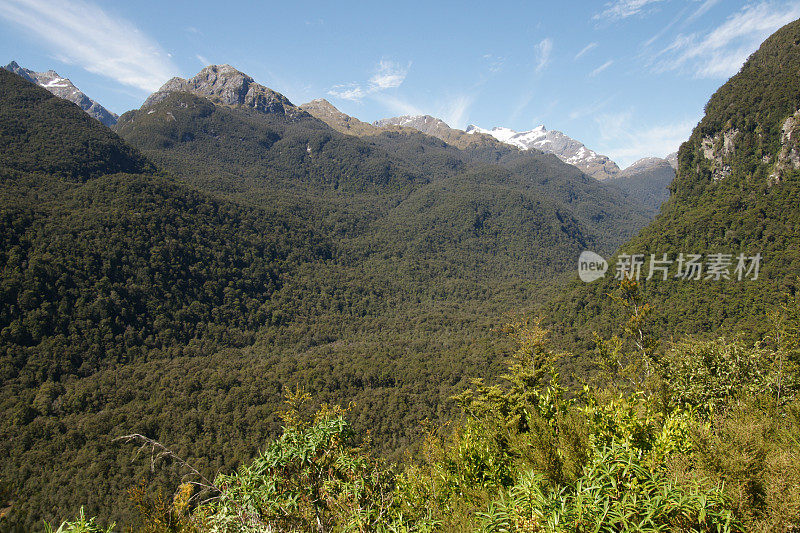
(73, 145)
(736, 192)
(103, 268)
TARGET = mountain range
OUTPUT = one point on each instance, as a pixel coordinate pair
(567, 149)
(222, 234)
(63, 88)
(174, 275)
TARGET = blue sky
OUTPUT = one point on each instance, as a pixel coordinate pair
(629, 78)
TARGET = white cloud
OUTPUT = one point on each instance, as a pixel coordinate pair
(81, 33)
(624, 141)
(621, 9)
(543, 51)
(702, 10)
(585, 49)
(203, 60)
(601, 68)
(495, 62)
(455, 112)
(590, 109)
(348, 91)
(387, 75)
(722, 51)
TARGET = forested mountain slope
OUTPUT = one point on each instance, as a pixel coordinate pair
(106, 264)
(266, 251)
(736, 192)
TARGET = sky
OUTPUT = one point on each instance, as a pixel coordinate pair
(628, 78)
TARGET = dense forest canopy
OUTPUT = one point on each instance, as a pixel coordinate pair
(303, 330)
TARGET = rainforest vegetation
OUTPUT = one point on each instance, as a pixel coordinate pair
(219, 319)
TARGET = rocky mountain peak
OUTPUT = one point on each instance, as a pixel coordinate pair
(328, 113)
(225, 85)
(424, 123)
(646, 164)
(555, 142)
(63, 88)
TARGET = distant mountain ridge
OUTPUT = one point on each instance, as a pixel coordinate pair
(434, 127)
(566, 148)
(647, 180)
(341, 122)
(569, 150)
(649, 163)
(63, 88)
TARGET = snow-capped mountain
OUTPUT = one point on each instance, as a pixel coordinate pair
(63, 88)
(555, 142)
(435, 127)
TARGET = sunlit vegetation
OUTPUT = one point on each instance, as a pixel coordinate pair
(295, 330)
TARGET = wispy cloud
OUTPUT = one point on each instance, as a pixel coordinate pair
(202, 59)
(585, 49)
(387, 75)
(720, 52)
(590, 109)
(495, 62)
(396, 105)
(348, 91)
(621, 9)
(625, 141)
(456, 111)
(83, 34)
(543, 51)
(702, 10)
(666, 29)
(601, 68)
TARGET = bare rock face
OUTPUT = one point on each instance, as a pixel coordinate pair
(223, 84)
(63, 88)
(789, 155)
(672, 159)
(718, 149)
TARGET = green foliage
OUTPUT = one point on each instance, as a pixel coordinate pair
(618, 492)
(712, 373)
(752, 449)
(44, 134)
(313, 478)
(80, 525)
(277, 251)
(733, 200)
(271, 251)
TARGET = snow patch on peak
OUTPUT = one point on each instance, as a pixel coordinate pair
(63, 88)
(555, 142)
